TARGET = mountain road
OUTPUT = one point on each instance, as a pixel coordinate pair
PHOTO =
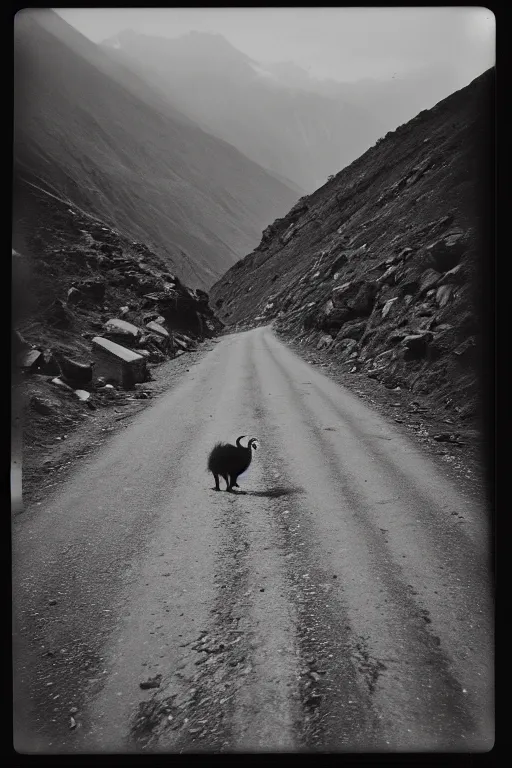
(342, 602)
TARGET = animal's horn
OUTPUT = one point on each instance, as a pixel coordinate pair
(238, 441)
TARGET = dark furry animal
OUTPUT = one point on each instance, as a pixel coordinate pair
(229, 461)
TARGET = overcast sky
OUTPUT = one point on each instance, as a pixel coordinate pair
(341, 43)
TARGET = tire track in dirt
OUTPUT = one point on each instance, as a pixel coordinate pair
(313, 612)
(444, 564)
(89, 548)
(333, 703)
(232, 691)
(396, 626)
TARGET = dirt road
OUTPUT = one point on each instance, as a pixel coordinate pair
(343, 603)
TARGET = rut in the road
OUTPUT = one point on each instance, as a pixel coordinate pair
(319, 637)
(327, 668)
(373, 573)
(199, 712)
(277, 666)
(219, 698)
(338, 605)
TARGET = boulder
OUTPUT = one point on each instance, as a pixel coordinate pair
(331, 319)
(324, 341)
(428, 279)
(443, 295)
(116, 363)
(159, 343)
(144, 339)
(352, 330)
(339, 292)
(73, 296)
(61, 384)
(146, 284)
(119, 327)
(147, 317)
(49, 365)
(453, 276)
(345, 346)
(90, 290)
(338, 263)
(362, 305)
(158, 329)
(447, 252)
(58, 315)
(387, 306)
(73, 371)
(396, 336)
(29, 359)
(408, 277)
(416, 345)
(180, 342)
(389, 380)
(389, 276)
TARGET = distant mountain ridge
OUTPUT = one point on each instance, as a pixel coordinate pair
(95, 133)
(300, 135)
(298, 126)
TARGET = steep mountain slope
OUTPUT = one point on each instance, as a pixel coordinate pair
(73, 275)
(381, 265)
(300, 135)
(99, 136)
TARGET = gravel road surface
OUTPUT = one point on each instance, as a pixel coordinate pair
(343, 602)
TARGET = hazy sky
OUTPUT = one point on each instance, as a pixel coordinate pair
(342, 43)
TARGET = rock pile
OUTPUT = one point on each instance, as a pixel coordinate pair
(93, 283)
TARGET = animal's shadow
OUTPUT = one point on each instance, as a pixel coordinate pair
(271, 493)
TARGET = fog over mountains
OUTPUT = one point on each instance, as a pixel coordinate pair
(90, 131)
(289, 122)
(188, 144)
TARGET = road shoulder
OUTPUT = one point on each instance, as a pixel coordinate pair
(464, 460)
(49, 462)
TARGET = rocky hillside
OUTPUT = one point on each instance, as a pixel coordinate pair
(382, 265)
(74, 279)
(93, 133)
(299, 134)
